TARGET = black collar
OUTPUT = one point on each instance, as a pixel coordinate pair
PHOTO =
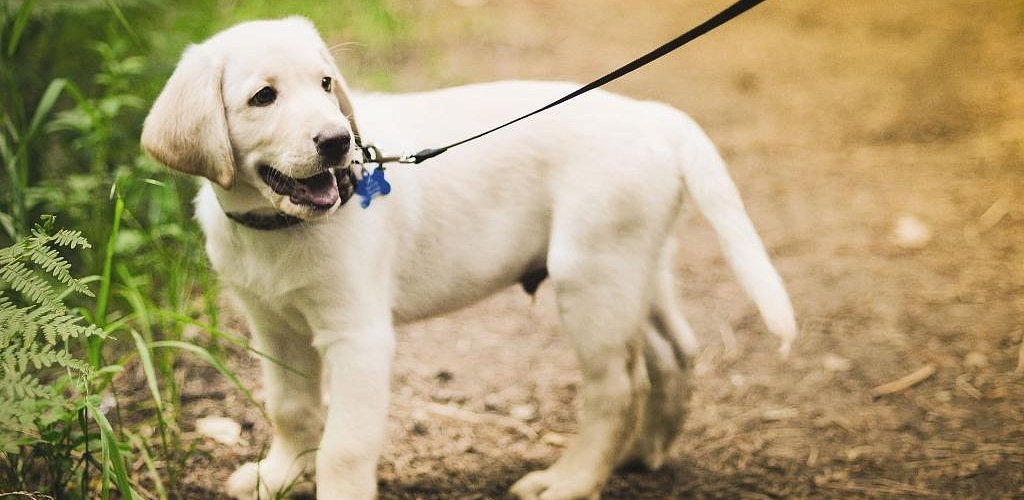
(281, 220)
(264, 222)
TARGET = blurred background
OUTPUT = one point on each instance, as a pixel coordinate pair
(879, 147)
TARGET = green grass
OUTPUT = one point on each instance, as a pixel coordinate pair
(70, 118)
(367, 21)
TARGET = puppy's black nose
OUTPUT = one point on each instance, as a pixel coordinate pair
(332, 144)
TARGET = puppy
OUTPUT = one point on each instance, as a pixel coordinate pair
(585, 195)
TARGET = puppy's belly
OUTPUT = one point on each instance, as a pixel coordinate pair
(465, 230)
(445, 276)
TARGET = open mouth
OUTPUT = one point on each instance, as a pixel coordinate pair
(319, 192)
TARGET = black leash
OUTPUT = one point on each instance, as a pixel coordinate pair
(371, 184)
(721, 18)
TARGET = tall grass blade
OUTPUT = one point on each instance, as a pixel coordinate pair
(234, 339)
(17, 164)
(103, 298)
(147, 458)
(94, 349)
(112, 459)
(19, 26)
(116, 9)
(13, 222)
(133, 295)
(147, 368)
(5, 149)
(214, 362)
(50, 95)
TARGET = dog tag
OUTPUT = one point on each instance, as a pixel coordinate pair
(372, 186)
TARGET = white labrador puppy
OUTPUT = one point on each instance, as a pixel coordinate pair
(586, 194)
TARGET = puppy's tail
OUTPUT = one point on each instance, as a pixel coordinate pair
(718, 200)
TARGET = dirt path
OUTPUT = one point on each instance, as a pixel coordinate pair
(836, 118)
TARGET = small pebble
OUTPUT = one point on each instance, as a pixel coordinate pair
(493, 402)
(524, 412)
(420, 425)
(857, 452)
(221, 429)
(191, 333)
(910, 233)
(834, 363)
(975, 359)
(107, 404)
(420, 428)
(737, 380)
(444, 376)
(777, 414)
(449, 396)
(555, 439)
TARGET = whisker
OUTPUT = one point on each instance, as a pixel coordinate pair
(344, 46)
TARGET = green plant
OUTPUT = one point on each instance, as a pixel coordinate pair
(45, 400)
(75, 77)
(35, 42)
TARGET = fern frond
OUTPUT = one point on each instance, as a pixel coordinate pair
(11, 253)
(20, 326)
(24, 386)
(30, 284)
(70, 239)
(12, 319)
(56, 325)
(50, 260)
(36, 326)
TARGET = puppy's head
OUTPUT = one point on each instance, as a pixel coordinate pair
(261, 104)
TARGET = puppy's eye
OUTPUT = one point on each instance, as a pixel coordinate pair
(325, 82)
(263, 97)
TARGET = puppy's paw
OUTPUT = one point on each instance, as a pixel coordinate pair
(550, 485)
(655, 437)
(265, 480)
(648, 453)
(242, 484)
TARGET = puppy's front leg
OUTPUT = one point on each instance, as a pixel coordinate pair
(359, 366)
(291, 383)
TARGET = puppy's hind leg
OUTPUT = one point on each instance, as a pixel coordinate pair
(666, 404)
(603, 300)
(669, 346)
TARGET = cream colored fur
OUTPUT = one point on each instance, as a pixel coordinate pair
(590, 191)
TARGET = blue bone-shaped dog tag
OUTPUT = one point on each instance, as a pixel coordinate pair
(372, 186)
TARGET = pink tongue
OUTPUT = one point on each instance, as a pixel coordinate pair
(320, 190)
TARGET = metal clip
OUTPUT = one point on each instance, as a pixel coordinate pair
(370, 154)
(373, 154)
(407, 159)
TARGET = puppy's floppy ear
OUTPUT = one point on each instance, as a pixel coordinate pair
(187, 128)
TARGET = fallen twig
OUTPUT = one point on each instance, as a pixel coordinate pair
(481, 418)
(905, 382)
(883, 487)
(994, 214)
(1020, 355)
(970, 390)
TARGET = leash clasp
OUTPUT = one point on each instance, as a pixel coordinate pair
(373, 154)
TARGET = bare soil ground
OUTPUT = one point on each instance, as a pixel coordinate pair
(837, 118)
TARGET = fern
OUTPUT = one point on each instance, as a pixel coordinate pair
(36, 327)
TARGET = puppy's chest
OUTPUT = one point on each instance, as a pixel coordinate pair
(276, 269)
